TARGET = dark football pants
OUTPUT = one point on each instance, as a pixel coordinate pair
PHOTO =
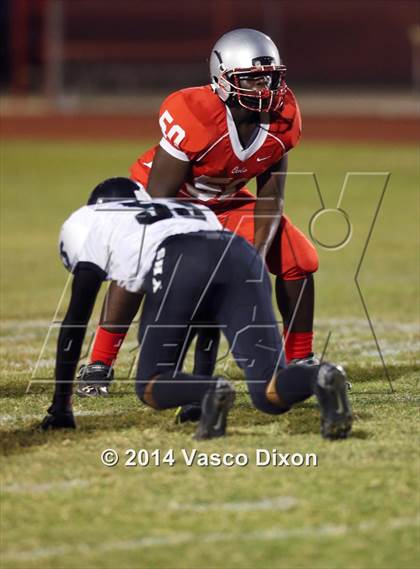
(209, 279)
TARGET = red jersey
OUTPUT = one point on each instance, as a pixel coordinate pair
(198, 127)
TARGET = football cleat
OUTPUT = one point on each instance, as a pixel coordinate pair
(215, 407)
(94, 380)
(58, 420)
(309, 360)
(187, 413)
(92, 390)
(331, 392)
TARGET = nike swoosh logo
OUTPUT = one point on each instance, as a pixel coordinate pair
(340, 406)
(261, 159)
(219, 422)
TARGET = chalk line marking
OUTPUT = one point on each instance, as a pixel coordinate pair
(44, 487)
(8, 418)
(274, 534)
(280, 503)
(347, 321)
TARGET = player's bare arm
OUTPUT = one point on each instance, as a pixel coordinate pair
(167, 175)
(270, 203)
(119, 309)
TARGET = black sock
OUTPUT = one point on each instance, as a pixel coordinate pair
(183, 388)
(296, 383)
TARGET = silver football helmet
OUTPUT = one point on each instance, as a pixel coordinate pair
(246, 53)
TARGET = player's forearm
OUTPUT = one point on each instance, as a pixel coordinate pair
(69, 347)
(86, 284)
(270, 203)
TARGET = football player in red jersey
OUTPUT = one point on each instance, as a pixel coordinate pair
(216, 138)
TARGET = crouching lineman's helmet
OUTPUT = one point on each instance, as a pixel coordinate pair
(114, 189)
(246, 53)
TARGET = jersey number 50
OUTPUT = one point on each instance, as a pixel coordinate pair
(176, 134)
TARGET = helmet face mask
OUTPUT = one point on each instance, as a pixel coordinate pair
(269, 98)
(246, 55)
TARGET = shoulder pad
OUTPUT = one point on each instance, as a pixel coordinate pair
(288, 122)
(73, 235)
(185, 119)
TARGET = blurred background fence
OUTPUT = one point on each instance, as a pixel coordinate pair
(97, 60)
(130, 46)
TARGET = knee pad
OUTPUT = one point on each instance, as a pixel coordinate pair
(144, 392)
(260, 402)
(292, 256)
(301, 271)
(307, 261)
(140, 387)
(298, 253)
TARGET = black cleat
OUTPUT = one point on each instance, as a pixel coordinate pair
(215, 407)
(312, 360)
(58, 420)
(94, 380)
(309, 360)
(187, 413)
(331, 392)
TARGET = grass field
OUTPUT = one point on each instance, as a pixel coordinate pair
(359, 508)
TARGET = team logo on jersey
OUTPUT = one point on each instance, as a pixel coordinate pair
(239, 170)
(158, 270)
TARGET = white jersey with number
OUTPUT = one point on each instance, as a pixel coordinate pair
(121, 238)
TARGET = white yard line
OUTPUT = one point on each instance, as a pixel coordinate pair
(280, 503)
(24, 324)
(184, 538)
(44, 487)
(349, 321)
(7, 418)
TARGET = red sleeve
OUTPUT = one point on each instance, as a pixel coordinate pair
(184, 135)
(296, 130)
(289, 122)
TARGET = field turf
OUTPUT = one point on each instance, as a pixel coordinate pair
(359, 508)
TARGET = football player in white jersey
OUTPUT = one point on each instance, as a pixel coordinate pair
(194, 274)
(94, 379)
(92, 268)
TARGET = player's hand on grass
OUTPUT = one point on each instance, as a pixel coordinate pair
(58, 420)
